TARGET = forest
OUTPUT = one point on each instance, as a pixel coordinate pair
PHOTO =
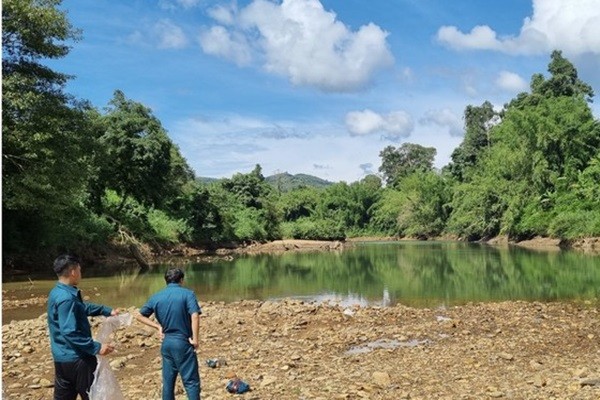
(79, 177)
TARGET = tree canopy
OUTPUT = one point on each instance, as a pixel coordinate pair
(76, 177)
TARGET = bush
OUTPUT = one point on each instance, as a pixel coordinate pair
(248, 225)
(309, 229)
(166, 229)
(575, 224)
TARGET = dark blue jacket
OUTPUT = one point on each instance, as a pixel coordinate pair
(70, 331)
(173, 307)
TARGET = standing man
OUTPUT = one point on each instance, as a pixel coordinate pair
(178, 315)
(73, 349)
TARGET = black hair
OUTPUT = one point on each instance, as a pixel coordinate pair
(174, 275)
(64, 263)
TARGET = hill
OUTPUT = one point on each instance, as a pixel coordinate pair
(286, 182)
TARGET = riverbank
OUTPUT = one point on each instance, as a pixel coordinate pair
(115, 256)
(588, 245)
(294, 350)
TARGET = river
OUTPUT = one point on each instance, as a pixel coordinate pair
(419, 274)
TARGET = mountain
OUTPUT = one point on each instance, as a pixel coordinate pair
(206, 180)
(286, 182)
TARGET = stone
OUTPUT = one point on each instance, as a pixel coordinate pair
(590, 382)
(46, 383)
(546, 357)
(381, 378)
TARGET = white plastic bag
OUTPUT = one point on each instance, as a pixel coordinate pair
(106, 386)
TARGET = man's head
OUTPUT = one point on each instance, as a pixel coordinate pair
(174, 275)
(68, 267)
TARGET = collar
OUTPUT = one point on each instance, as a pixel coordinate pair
(70, 289)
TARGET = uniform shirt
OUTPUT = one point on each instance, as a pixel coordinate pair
(173, 307)
(70, 331)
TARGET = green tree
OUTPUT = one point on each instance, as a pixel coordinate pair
(299, 203)
(46, 140)
(141, 161)
(478, 122)
(254, 207)
(250, 189)
(424, 207)
(520, 181)
(564, 80)
(397, 163)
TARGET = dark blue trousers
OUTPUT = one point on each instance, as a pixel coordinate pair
(73, 378)
(178, 356)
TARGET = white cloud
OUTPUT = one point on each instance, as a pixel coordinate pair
(444, 118)
(571, 26)
(175, 4)
(188, 3)
(397, 124)
(480, 37)
(169, 35)
(218, 41)
(407, 75)
(222, 147)
(302, 41)
(511, 82)
(224, 14)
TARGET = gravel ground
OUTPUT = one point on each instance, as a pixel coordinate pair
(296, 350)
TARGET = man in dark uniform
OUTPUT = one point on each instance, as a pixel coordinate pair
(178, 314)
(73, 349)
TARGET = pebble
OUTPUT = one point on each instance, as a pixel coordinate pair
(296, 351)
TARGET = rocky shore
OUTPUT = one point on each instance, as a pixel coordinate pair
(295, 350)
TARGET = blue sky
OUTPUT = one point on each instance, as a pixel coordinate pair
(320, 87)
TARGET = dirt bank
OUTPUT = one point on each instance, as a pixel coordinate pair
(116, 256)
(587, 245)
(292, 350)
(278, 246)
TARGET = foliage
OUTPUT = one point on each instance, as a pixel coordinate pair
(397, 163)
(167, 230)
(478, 122)
(298, 203)
(521, 181)
(141, 160)
(45, 140)
(306, 228)
(247, 225)
(76, 177)
(252, 205)
(424, 207)
(134, 222)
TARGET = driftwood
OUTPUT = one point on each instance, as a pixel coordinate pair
(137, 254)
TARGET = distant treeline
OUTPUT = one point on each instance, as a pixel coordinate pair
(75, 177)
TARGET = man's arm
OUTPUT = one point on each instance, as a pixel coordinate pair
(147, 321)
(93, 310)
(195, 329)
(67, 323)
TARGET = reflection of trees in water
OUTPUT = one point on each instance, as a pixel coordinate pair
(127, 278)
(433, 272)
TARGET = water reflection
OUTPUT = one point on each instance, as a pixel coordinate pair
(422, 274)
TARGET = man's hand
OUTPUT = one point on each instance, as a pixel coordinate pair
(161, 335)
(193, 343)
(114, 312)
(106, 349)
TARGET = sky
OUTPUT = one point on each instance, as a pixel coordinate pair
(319, 87)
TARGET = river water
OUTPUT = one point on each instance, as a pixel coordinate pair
(419, 274)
